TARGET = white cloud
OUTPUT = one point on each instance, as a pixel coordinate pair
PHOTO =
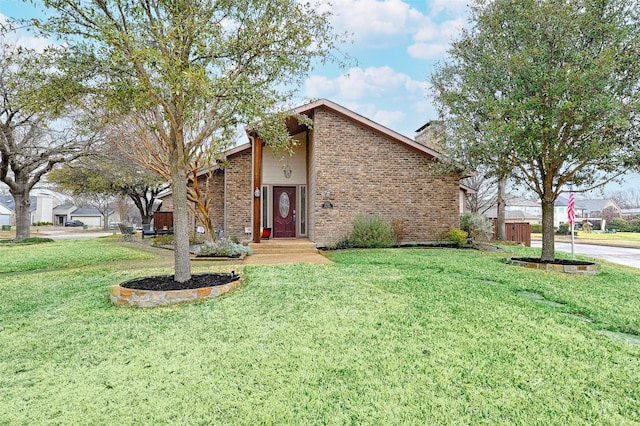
(20, 37)
(378, 93)
(373, 82)
(432, 41)
(376, 23)
(448, 7)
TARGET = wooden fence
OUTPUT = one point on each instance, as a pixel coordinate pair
(520, 232)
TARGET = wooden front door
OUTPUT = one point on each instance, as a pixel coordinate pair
(284, 212)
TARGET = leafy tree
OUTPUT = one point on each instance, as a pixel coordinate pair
(39, 127)
(103, 175)
(186, 72)
(552, 87)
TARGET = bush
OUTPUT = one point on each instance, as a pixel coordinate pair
(479, 228)
(617, 224)
(370, 232)
(223, 247)
(458, 237)
(399, 230)
(42, 223)
(564, 229)
(536, 228)
(634, 225)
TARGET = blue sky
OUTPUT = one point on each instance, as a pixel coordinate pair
(396, 44)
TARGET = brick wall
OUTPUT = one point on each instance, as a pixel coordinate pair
(238, 194)
(216, 191)
(366, 173)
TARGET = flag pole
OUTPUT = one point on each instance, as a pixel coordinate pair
(571, 213)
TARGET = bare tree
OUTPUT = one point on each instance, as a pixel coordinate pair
(38, 125)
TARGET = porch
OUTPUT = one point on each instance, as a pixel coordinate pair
(278, 251)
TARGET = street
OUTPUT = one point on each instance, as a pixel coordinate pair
(620, 255)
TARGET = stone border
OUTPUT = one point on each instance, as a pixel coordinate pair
(592, 269)
(149, 298)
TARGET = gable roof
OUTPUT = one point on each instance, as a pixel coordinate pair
(363, 121)
(9, 202)
(597, 204)
(89, 211)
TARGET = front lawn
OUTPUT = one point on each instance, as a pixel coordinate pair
(393, 336)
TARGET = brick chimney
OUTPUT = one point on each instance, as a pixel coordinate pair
(431, 135)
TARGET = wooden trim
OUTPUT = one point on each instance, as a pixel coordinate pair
(257, 183)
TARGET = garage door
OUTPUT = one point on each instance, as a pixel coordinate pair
(91, 221)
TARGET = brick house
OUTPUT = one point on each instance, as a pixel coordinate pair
(346, 166)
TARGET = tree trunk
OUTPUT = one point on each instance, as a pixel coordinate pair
(180, 224)
(23, 217)
(548, 248)
(501, 231)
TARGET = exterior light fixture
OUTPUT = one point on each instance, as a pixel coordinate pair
(287, 171)
(256, 193)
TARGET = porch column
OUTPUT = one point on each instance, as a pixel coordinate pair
(257, 186)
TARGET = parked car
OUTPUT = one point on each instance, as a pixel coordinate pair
(74, 222)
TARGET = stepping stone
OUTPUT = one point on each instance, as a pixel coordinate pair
(628, 338)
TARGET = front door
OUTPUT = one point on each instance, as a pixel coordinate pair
(284, 212)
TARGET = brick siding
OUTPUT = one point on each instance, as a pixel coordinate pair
(239, 194)
(367, 173)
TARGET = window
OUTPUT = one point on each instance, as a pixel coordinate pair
(265, 206)
(303, 210)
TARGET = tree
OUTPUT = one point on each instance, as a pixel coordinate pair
(38, 126)
(186, 72)
(628, 199)
(552, 87)
(101, 177)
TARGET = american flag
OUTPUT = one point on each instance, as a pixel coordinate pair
(571, 213)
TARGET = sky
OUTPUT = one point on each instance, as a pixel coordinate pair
(397, 45)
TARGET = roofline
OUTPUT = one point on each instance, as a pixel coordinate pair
(467, 189)
(378, 128)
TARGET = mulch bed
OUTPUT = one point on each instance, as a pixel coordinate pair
(555, 261)
(167, 283)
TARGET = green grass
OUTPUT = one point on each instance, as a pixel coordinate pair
(63, 254)
(404, 336)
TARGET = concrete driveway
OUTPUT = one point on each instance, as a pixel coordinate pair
(619, 255)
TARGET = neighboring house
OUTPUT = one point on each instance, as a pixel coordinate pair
(630, 213)
(62, 213)
(343, 167)
(518, 210)
(598, 211)
(41, 206)
(8, 202)
(5, 214)
(91, 217)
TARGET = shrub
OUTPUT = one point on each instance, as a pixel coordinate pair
(370, 232)
(42, 223)
(479, 228)
(223, 247)
(458, 237)
(536, 228)
(399, 230)
(564, 229)
(617, 224)
(344, 243)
